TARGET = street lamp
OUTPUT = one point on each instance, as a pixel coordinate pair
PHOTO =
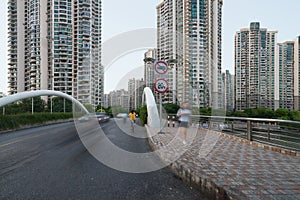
(172, 64)
(149, 79)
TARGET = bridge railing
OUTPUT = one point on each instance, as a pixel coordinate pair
(274, 132)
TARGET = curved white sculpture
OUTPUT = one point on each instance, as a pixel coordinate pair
(153, 120)
(24, 95)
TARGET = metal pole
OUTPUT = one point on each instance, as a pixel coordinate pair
(32, 106)
(64, 105)
(3, 110)
(249, 130)
(174, 82)
(51, 105)
(160, 114)
(160, 108)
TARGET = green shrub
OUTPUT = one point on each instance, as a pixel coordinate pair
(8, 122)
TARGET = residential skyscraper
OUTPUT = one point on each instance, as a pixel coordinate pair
(228, 91)
(56, 45)
(189, 39)
(135, 90)
(255, 64)
(285, 85)
(149, 59)
(297, 74)
(119, 98)
(287, 82)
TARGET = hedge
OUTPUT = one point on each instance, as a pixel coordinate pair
(8, 122)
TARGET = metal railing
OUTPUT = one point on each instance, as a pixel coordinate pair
(274, 132)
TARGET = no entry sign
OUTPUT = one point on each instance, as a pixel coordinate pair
(161, 85)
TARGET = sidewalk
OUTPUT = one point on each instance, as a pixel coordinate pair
(225, 168)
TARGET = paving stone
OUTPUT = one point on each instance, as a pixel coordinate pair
(241, 169)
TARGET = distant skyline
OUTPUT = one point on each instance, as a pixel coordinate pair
(121, 16)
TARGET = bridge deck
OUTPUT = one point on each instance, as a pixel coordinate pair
(226, 167)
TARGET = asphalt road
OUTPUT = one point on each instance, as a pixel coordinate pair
(51, 163)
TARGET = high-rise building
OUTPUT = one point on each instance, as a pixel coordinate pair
(106, 100)
(255, 64)
(228, 91)
(189, 39)
(287, 82)
(2, 94)
(119, 98)
(297, 74)
(135, 90)
(285, 86)
(56, 45)
(149, 59)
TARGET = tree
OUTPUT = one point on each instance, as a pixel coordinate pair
(205, 111)
(38, 104)
(118, 109)
(282, 113)
(171, 108)
(295, 115)
(89, 107)
(142, 111)
(13, 108)
(58, 104)
(265, 113)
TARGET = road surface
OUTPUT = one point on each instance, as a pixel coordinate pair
(51, 163)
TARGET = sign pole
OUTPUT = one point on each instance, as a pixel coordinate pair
(161, 86)
(160, 113)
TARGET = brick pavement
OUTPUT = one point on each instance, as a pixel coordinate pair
(225, 168)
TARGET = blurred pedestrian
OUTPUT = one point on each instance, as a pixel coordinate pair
(183, 115)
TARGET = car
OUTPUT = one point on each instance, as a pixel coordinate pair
(102, 117)
(86, 117)
(121, 115)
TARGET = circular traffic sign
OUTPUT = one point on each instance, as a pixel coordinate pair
(161, 67)
(161, 85)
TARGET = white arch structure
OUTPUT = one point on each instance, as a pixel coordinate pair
(24, 95)
(153, 120)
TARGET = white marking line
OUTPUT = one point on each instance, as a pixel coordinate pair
(23, 139)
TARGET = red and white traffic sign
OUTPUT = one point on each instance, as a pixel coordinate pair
(161, 85)
(161, 67)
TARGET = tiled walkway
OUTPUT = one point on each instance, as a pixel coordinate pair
(241, 171)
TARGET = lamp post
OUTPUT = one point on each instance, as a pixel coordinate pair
(172, 64)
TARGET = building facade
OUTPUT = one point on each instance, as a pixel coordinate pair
(287, 83)
(149, 59)
(135, 90)
(297, 74)
(189, 39)
(228, 91)
(56, 45)
(255, 65)
(119, 98)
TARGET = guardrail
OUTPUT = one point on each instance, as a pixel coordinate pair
(274, 132)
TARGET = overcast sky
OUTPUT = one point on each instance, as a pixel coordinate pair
(121, 16)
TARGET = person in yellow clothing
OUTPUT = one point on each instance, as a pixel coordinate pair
(132, 116)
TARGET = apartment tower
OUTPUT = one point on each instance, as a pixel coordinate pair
(255, 67)
(189, 39)
(287, 73)
(56, 45)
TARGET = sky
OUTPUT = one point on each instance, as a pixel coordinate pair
(121, 16)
